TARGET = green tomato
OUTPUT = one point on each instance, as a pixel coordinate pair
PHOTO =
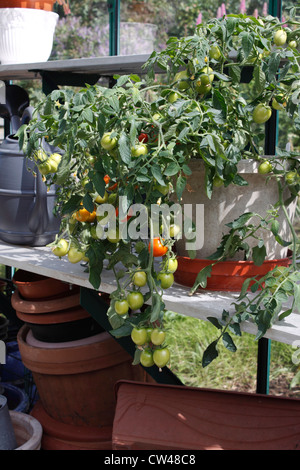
(202, 89)
(162, 189)
(61, 248)
(217, 181)
(75, 255)
(173, 96)
(292, 178)
(146, 358)
(40, 155)
(261, 113)
(278, 105)
(107, 142)
(166, 279)
(135, 300)
(215, 53)
(56, 157)
(139, 336)
(161, 357)
(174, 230)
(280, 37)
(121, 307)
(139, 278)
(45, 168)
(139, 150)
(207, 76)
(157, 336)
(113, 236)
(149, 330)
(264, 168)
(181, 78)
(293, 44)
(101, 199)
(97, 232)
(171, 265)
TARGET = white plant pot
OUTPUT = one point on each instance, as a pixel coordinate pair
(28, 431)
(229, 203)
(26, 35)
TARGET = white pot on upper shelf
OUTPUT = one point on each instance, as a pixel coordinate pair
(26, 35)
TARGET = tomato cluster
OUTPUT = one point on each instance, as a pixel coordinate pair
(47, 164)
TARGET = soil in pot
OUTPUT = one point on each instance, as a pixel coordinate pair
(226, 275)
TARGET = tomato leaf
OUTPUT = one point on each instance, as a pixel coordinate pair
(124, 149)
(259, 254)
(247, 43)
(228, 342)
(210, 354)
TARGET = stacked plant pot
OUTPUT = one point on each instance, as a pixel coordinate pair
(74, 364)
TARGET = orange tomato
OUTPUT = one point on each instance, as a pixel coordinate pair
(158, 248)
(83, 215)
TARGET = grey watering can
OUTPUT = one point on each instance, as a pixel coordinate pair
(26, 216)
(7, 434)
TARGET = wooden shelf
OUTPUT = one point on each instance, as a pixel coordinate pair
(104, 66)
(201, 305)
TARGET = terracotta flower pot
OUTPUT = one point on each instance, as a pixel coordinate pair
(60, 436)
(37, 4)
(75, 383)
(226, 275)
(36, 286)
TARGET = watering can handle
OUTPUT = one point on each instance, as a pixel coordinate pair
(38, 218)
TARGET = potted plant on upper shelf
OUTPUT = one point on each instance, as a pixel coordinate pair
(27, 30)
(127, 151)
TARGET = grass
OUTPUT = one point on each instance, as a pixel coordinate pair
(187, 339)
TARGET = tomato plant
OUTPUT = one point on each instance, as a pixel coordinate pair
(132, 144)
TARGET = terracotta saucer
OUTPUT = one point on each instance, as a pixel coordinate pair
(47, 305)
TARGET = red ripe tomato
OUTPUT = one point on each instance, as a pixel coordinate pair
(158, 248)
(143, 137)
